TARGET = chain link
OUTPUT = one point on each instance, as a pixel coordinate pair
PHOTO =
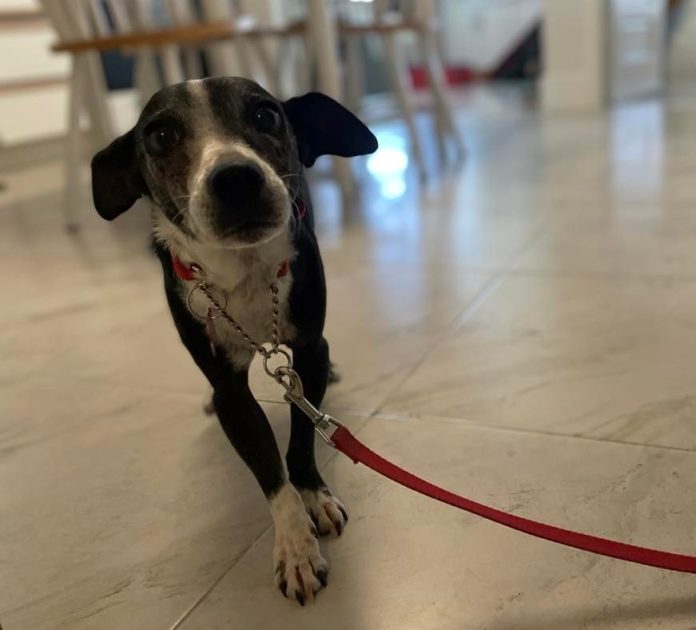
(255, 346)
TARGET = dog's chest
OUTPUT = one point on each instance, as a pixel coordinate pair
(250, 305)
(244, 287)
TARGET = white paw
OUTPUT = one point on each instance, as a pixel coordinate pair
(300, 569)
(327, 512)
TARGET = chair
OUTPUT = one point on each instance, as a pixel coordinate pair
(388, 20)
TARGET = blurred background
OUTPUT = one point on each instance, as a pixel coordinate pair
(510, 306)
(83, 69)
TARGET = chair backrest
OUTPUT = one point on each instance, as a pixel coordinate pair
(246, 51)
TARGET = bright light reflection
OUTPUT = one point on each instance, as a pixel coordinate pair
(388, 165)
(393, 188)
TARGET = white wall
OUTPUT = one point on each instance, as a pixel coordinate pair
(30, 113)
(575, 55)
(479, 33)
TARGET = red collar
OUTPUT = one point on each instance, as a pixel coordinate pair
(186, 272)
(181, 270)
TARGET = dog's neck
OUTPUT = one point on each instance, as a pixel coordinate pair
(226, 268)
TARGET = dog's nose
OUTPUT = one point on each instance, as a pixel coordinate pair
(236, 184)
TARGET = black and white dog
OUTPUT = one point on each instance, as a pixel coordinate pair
(221, 161)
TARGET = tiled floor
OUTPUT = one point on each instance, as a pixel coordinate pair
(521, 330)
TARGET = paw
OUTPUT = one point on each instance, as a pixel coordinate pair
(327, 513)
(300, 570)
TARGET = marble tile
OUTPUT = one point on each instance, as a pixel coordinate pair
(460, 220)
(407, 562)
(120, 505)
(123, 336)
(598, 356)
(380, 322)
(20, 185)
(630, 240)
(49, 270)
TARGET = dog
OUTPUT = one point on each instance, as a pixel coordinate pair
(221, 162)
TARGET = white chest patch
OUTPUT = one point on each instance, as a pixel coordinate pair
(241, 279)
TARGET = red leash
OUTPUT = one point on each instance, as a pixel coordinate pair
(349, 445)
(344, 441)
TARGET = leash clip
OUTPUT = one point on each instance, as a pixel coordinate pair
(294, 393)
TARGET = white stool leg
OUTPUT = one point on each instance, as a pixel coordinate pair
(147, 81)
(100, 119)
(73, 162)
(322, 31)
(435, 72)
(354, 76)
(399, 81)
(272, 84)
(305, 65)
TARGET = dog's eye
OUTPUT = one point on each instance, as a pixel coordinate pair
(161, 137)
(267, 119)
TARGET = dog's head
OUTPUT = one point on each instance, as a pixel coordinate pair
(221, 157)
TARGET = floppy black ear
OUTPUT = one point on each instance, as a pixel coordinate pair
(324, 127)
(116, 179)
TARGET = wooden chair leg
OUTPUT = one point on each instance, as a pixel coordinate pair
(399, 82)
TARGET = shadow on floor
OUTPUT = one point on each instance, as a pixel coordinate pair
(605, 616)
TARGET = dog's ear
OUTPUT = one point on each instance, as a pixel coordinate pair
(324, 127)
(116, 179)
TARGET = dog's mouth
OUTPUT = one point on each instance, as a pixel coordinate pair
(249, 232)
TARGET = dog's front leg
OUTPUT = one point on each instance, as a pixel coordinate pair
(300, 570)
(311, 362)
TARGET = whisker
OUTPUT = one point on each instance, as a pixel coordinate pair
(182, 197)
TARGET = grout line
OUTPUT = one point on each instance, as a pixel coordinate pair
(473, 424)
(187, 613)
(481, 296)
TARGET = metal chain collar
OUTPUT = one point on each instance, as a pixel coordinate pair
(219, 311)
(284, 375)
